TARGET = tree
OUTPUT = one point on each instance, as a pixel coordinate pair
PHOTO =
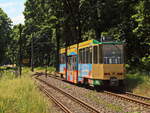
(66, 22)
(5, 31)
(38, 24)
(142, 32)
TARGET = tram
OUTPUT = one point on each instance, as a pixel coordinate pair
(93, 62)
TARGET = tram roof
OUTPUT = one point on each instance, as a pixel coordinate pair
(87, 44)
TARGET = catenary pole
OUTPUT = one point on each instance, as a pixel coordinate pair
(20, 49)
(32, 53)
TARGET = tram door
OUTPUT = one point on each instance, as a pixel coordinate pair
(72, 69)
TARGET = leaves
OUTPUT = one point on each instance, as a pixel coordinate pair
(72, 21)
(5, 30)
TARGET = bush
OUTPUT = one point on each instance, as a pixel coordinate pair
(138, 83)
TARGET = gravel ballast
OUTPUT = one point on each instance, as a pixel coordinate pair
(104, 103)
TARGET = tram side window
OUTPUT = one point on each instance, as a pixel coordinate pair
(61, 58)
(87, 55)
(74, 60)
(84, 56)
(95, 55)
(80, 56)
(90, 55)
(100, 55)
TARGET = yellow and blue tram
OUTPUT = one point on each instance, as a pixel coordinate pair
(94, 63)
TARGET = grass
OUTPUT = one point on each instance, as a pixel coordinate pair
(42, 69)
(67, 87)
(138, 84)
(20, 95)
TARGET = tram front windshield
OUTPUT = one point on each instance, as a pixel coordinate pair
(113, 54)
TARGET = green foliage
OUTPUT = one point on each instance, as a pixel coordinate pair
(138, 83)
(141, 31)
(61, 23)
(13, 47)
(5, 30)
(49, 69)
(146, 63)
(39, 24)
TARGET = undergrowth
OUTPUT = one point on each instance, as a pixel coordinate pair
(138, 84)
(42, 69)
(20, 94)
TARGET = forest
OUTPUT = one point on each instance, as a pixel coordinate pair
(53, 24)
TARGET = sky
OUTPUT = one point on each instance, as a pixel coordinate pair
(14, 9)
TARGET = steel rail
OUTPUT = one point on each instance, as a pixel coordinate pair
(138, 96)
(123, 96)
(126, 93)
(128, 99)
(61, 106)
(82, 103)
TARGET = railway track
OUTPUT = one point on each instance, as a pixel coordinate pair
(129, 97)
(145, 100)
(139, 97)
(47, 93)
(84, 105)
(140, 100)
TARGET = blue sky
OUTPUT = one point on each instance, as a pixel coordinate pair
(14, 9)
